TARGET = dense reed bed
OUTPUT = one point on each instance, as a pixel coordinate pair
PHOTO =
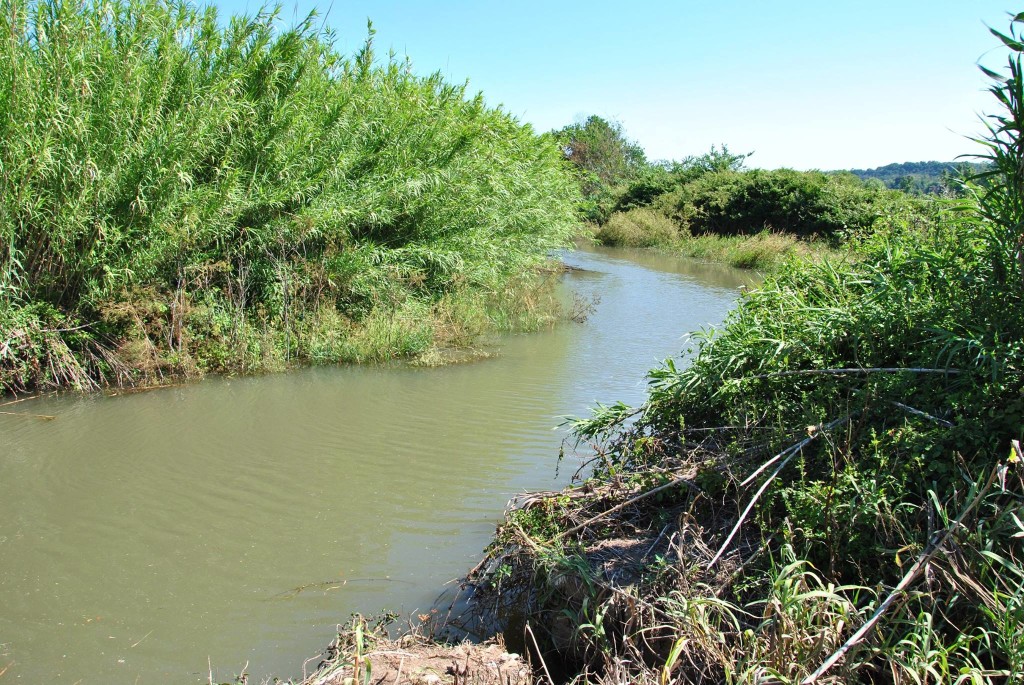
(766, 250)
(181, 192)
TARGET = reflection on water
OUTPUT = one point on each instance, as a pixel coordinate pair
(239, 520)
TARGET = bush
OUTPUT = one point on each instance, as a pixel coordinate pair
(637, 228)
(804, 204)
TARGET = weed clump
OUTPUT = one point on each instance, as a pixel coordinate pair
(639, 227)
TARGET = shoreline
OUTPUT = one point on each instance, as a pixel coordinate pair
(430, 333)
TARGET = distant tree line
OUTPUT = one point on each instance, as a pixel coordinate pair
(713, 193)
(922, 178)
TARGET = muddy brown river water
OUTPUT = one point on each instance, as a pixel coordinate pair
(155, 537)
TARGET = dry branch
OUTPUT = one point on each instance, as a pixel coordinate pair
(919, 565)
(815, 431)
(687, 480)
(864, 370)
(925, 415)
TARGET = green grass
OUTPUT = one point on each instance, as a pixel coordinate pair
(176, 185)
(763, 251)
(642, 227)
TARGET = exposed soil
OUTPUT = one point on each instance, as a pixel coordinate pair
(411, 660)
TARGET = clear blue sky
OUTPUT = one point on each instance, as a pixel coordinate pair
(801, 83)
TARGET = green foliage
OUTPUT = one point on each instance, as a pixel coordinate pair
(889, 384)
(151, 149)
(603, 159)
(713, 161)
(542, 520)
(658, 178)
(799, 203)
(915, 298)
(649, 183)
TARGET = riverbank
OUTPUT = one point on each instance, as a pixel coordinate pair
(196, 341)
(362, 655)
(153, 354)
(765, 251)
(829, 495)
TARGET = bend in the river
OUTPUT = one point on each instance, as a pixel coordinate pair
(240, 519)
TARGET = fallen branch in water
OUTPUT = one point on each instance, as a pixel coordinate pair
(328, 585)
(143, 638)
(44, 417)
(145, 388)
(24, 399)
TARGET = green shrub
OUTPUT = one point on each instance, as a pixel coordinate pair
(640, 227)
(799, 203)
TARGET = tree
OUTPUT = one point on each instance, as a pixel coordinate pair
(602, 153)
(716, 160)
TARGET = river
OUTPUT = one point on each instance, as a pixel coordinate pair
(154, 537)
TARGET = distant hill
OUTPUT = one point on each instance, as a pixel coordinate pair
(920, 178)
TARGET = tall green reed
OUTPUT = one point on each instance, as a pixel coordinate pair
(1001, 202)
(152, 150)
